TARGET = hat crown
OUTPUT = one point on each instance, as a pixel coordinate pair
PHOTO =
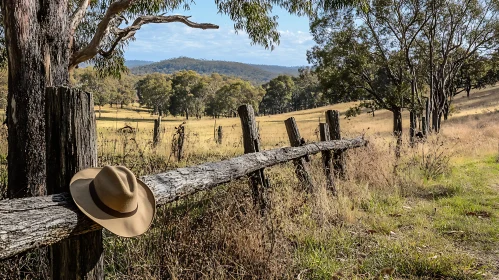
(116, 187)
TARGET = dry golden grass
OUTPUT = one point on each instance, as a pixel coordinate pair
(412, 224)
(415, 223)
(470, 118)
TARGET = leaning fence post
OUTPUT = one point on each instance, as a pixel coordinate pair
(327, 158)
(333, 121)
(72, 146)
(251, 145)
(302, 167)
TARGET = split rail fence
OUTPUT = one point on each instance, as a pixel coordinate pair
(33, 222)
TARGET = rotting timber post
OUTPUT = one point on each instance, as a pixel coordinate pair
(327, 158)
(157, 131)
(333, 121)
(251, 142)
(72, 146)
(302, 168)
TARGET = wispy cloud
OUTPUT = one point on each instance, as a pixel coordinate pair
(163, 41)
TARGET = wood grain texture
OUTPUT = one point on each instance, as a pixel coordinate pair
(36, 221)
(333, 121)
(327, 159)
(157, 131)
(251, 142)
(302, 168)
(71, 136)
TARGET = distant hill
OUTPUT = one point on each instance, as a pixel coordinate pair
(252, 72)
(136, 63)
(279, 70)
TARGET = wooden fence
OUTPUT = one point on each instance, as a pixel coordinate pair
(32, 222)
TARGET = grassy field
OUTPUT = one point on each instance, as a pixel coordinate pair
(272, 129)
(434, 216)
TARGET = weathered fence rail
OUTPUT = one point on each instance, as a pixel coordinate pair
(36, 221)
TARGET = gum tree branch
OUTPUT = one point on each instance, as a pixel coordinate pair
(128, 32)
(92, 48)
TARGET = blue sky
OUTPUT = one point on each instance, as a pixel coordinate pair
(163, 41)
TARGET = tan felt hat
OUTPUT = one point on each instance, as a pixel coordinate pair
(115, 199)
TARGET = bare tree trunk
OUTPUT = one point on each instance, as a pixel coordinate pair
(426, 122)
(412, 128)
(446, 111)
(37, 40)
(435, 114)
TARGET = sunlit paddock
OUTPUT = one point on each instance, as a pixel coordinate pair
(419, 222)
(201, 134)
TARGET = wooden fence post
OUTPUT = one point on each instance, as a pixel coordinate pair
(220, 135)
(180, 142)
(72, 146)
(157, 131)
(252, 145)
(333, 121)
(327, 158)
(302, 167)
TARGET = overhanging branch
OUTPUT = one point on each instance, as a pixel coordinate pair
(92, 48)
(128, 32)
(114, 10)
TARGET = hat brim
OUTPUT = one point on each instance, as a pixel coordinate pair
(131, 226)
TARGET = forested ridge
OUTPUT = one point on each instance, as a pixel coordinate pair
(257, 74)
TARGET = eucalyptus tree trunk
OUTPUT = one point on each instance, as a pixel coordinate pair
(37, 41)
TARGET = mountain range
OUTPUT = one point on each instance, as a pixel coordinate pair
(252, 72)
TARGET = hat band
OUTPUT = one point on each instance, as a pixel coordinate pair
(106, 209)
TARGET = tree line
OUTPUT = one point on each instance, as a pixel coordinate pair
(187, 93)
(257, 74)
(288, 93)
(190, 94)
